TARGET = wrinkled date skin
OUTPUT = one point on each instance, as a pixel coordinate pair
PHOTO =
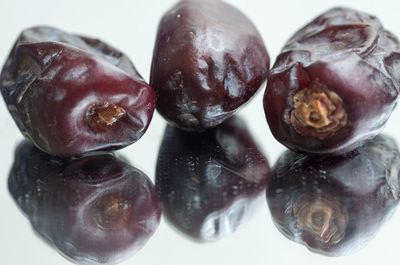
(334, 85)
(95, 209)
(208, 60)
(71, 94)
(210, 183)
(335, 206)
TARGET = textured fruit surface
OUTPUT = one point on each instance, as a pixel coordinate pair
(93, 209)
(210, 183)
(335, 206)
(208, 60)
(334, 85)
(71, 94)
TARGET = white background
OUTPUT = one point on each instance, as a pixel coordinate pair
(130, 25)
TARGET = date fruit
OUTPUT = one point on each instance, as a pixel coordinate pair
(335, 206)
(95, 209)
(210, 183)
(208, 60)
(70, 94)
(334, 85)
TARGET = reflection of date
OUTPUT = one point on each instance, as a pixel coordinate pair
(95, 209)
(208, 61)
(210, 182)
(335, 83)
(335, 206)
(71, 94)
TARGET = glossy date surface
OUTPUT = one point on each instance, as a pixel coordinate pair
(208, 60)
(335, 83)
(335, 206)
(70, 94)
(95, 209)
(210, 183)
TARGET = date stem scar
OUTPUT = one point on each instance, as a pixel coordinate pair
(321, 215)
(317, 112)
(101, 116)
(112, 211)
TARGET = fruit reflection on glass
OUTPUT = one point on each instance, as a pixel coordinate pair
(210, 182)
(93, 209)
(321, 215)
(335, 206)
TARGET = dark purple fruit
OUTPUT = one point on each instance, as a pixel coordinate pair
(93, 209)
(211, 182)
(335, 206)
(71, 94)
(334, 85)
(208, 60)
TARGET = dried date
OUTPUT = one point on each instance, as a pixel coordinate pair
(208, 60)
(334, 85)
(70, 94)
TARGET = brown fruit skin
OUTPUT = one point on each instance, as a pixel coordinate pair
(210, 183)
(94, 209)
(352, 55)
(358, 193)
(52, 78)
(208, 60)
